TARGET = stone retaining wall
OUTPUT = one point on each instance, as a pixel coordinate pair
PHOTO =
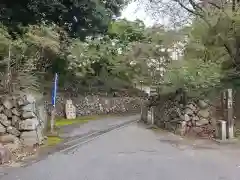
(95, 105)
(21, 121)
(184, 115)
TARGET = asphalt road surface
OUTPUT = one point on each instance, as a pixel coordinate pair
(133, 153)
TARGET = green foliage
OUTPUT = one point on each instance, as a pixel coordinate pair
(127, 31)
(194, 76)
(210, 54)
(78, 17)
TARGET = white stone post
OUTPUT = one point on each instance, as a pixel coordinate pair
(152, 115)
(230, 119)
(222, 130)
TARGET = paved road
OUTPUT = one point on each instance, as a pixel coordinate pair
(97, 125)
(133, 153)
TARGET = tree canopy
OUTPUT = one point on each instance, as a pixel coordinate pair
(78, 17)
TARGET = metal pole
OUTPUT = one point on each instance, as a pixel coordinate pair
(54, 94)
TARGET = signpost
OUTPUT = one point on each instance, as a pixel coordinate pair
(54, 94)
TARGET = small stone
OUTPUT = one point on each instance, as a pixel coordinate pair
(15, 120)
(28, 124)
(192, 107)
(13, 131)
(202, 122)
(204, 113)
(202, 104)
(178, 112)
(2, 129)
(7, 104)
(182, 118)
(16, 112)
(5, 155)
(8, 112)
(195, 118)
(190, 123)
(189, 111)
(28, 115)
(186, 117)
(20, 101)
(4, 120)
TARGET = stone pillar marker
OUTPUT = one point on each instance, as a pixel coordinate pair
(230, 120)
(70, 110)
(152, 115)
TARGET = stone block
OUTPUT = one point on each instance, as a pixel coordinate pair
(7, 103)
(14, 101)
(20, 101)
(1, 108)
(42, 115)
(4, 120)
(15, 120)
(29, 99)
(189, 111)
(16, 112)
(192, 107)
(195, 118)
(12, 130)
(204, 113)
(202, 104)
(8, 112)
(202, 122)
(28, 124)
(28, 108)
(186, 117)
(30, 138)
(13, 146)
(7, 138)
(40, 135)
(28, 115)
(2, 129)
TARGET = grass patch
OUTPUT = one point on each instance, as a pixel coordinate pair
(53, 140)
(64, 122)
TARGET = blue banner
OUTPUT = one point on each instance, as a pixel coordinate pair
(54, 91)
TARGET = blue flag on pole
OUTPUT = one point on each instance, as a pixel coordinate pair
(54, 91)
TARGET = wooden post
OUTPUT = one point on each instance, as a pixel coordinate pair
(230, 119)
(53, 119)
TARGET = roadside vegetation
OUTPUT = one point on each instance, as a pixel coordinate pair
(89, 46)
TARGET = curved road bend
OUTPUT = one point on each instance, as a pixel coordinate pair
(132, 153)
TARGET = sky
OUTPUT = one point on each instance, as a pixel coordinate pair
(136, 10)
(133, 12)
